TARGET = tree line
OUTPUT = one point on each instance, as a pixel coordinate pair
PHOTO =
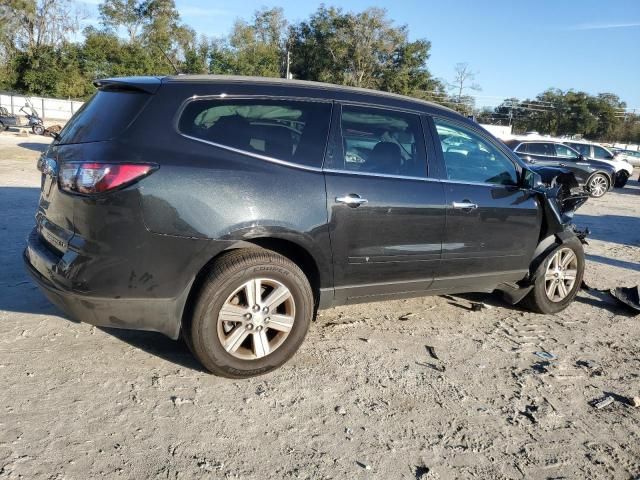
(562, 113)
(42, 53)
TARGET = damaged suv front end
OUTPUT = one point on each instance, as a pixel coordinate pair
(560, 196)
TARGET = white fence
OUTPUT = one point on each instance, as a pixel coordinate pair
(500, 131)
(49, 109)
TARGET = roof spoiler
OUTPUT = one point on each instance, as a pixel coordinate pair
(140, 84)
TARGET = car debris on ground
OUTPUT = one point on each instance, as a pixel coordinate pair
(629, 296)
(545, 355)
(600, 403)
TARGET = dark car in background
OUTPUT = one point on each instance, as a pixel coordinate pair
(229, 210)
(594, 176)
(7, 119)
(594, 151)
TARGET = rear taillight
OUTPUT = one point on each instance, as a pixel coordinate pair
(91, 178)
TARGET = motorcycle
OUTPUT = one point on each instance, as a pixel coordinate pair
(33, 119)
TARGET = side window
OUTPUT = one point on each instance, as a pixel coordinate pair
(599, 152)
(523, 148)
(565, 152)
(541, 149)
(582, 148)
(382, 141)
(293, 131)
(468, 157)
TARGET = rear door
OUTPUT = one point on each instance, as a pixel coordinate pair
(492, 225)
(386, 214)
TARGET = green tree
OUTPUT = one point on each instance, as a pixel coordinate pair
(123, 14)
(361, 49)
(256, 48)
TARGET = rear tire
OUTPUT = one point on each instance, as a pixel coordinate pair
(621, 179)
(554, 289)
(598, 185)
(238, 328)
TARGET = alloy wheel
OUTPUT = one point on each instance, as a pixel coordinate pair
(598, 186)
(560, 276)
(256, 318)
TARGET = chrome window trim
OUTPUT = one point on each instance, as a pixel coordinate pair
(379, 175)
(343, 172)
(482, 184)
(254, 155)
(423, 179)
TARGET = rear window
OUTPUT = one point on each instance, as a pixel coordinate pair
(541, 149)
(104, 116)
(293, 131)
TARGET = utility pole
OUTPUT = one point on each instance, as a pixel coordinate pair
(288, 62)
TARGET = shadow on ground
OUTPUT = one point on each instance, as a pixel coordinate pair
(620, 229)
(614, 262)
(631, 188)
(158, 345)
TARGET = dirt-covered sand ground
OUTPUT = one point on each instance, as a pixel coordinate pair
(363, 398)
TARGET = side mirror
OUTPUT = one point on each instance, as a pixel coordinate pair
(610, 157)
(581, 158)
(531, 179)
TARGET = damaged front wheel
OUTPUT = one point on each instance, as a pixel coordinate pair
(557, 279)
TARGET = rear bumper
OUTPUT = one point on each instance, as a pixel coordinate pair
(153, 314)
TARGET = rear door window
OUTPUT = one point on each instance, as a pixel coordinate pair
(288, 130)
(545, 149)
(381, 141)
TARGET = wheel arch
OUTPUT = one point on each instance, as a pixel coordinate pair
(610, 179)
(294, 251)
(546, 245)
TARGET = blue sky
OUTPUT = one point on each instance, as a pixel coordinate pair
(517, 48)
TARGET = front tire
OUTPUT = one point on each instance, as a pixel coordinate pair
(38, 129)
(557, 279)
(621, 179)
(598, 185)
(252, 314)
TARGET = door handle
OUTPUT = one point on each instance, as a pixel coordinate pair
(353, 200)
(466, 205)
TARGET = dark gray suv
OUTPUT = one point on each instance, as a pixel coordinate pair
(229, 210)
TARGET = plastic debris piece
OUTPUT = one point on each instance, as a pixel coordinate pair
(600, 403)
(545, 355)
(629, 296)
(431, 351)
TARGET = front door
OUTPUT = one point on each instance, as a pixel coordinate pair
(386, 215)
(492, 226)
